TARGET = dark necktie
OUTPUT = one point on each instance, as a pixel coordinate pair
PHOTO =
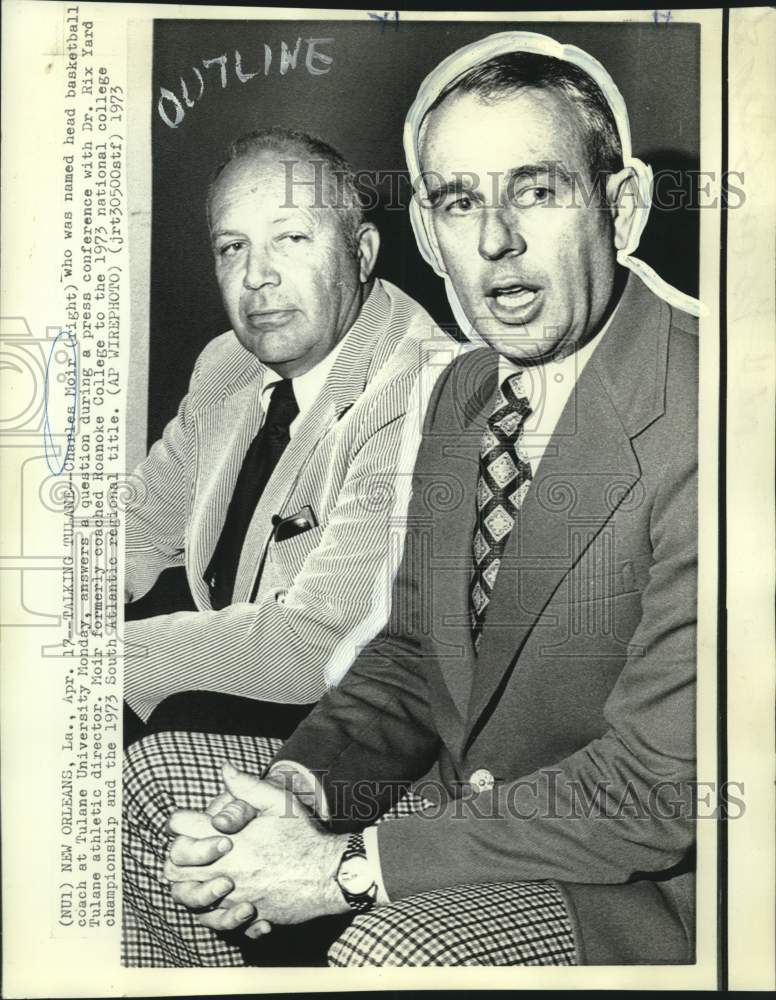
(504, 478)
(258, 465)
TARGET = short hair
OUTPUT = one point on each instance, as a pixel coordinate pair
(509, 73)
(342, 180)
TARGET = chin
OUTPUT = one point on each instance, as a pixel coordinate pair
(518, 348)
(270, 352)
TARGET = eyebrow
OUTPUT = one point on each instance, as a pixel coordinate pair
(545, 166)
(217, 233)
(447, 188)
(459, 185)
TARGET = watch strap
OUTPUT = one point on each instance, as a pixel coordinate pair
(358, 901)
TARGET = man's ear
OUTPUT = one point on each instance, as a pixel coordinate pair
(368, 246)
(622, 196)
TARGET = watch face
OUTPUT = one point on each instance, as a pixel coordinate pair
(354, 875)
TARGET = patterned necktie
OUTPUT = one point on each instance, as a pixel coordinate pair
(258, 465)
(503, 481)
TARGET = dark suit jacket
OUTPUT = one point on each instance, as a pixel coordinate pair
(582, 700)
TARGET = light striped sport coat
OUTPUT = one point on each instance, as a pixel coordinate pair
(302, 607)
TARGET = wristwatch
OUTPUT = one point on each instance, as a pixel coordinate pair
(354, 877)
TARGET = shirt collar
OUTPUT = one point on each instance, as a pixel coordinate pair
(540, 380)
(307, 386)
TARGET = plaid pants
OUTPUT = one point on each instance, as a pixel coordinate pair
(494, 924)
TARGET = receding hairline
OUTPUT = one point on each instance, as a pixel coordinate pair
(512, 72)
(278, 157)
(279, 148)
(499, 98)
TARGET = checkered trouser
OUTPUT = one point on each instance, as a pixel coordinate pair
(517, 923)
(493, 924)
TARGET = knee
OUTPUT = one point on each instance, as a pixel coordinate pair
(488, 924)
(180, 770)
(145, 760)
(387, 936)
(147, 791)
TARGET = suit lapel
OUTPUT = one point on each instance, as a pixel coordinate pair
(313, 427)
(567, 505)
(224, 432)
(589, 468)
(451, 463)
(343, 386)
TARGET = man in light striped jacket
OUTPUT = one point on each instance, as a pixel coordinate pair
(290, 544)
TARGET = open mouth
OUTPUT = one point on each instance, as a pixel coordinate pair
(513, 296)
(513, 301)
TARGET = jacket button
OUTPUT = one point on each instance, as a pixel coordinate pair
(482, 780)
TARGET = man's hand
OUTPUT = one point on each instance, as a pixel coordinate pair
(230, 814)
(278, 865)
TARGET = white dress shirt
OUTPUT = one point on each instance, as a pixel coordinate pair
(547, 387)
(306, 387)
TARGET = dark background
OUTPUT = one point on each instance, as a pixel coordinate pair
(359, 107)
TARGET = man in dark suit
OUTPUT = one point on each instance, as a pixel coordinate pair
(535, 685)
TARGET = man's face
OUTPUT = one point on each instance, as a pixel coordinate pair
(289, 284)
(531, 259)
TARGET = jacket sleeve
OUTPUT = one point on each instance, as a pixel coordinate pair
(293, 645)
(374, 734)
(619, 806)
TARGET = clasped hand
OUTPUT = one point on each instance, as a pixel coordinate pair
(256, 856)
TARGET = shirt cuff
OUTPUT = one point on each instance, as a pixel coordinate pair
(372, 848)
(304, 785)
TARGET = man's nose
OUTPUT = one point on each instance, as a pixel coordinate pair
(500, 233)
(260, 270)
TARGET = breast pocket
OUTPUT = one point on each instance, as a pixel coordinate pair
(600, 574)
(286, 559)
(597, 608)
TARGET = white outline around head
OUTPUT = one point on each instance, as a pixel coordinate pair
(462, 61)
